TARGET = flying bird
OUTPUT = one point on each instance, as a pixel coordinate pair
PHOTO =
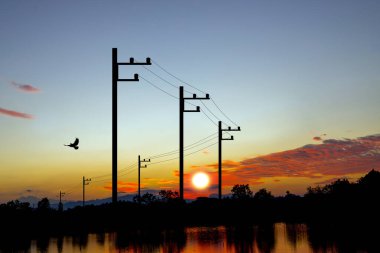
(74, 144)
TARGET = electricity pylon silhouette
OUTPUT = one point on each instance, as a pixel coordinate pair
(139, 167)
(115, 80)
(181, 111)
(220, 139)
(60, 205)
(86, 181)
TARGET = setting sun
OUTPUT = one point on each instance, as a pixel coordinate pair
(200, 180)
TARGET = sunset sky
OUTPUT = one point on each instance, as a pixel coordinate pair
(301, 78)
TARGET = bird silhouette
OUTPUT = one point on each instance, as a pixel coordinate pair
(74, 144)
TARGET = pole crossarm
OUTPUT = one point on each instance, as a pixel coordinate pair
(228, 139)
(231, 129)
(196, 110)
(115, 80)
(194, 97)
(132, 62)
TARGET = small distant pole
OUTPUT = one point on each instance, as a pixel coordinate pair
(220, 139)
(60, 205)
(139, 167)
(86, 181)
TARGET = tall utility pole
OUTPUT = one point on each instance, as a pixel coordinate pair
(220, 139)
(115, 79)
(139, 167)
(181, 111)
(86, 181)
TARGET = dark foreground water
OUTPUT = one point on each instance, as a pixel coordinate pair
(279, 237)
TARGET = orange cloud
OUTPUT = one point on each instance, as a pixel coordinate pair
(25, 87)
(331, 158)
(225, 164)
(327, 161)
(15, 114)
(128, 187)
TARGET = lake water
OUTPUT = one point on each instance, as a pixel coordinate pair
(276, 238)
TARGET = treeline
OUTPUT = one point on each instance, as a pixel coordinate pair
(341, 202)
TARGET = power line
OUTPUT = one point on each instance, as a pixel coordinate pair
(193, 145)
(161, 78)
(202, 111)
(125, 168)
(212, 100)
(210, 111)
(185, 155)
(167, 93)
(155, 86)
(201, 149)
(167, 72)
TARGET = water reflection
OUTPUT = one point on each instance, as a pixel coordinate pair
(296, 234)
(264, 238)
(170, 240)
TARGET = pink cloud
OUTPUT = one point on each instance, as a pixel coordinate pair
(331, 158)
(15, 114)
(25, 87)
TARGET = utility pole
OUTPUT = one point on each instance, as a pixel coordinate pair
(181, 111)
(139, 167)
(220, 139)
(115, 80)
(86, 181)
(60, 205)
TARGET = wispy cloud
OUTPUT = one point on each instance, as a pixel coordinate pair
(15, 114)
(319, 138)
(25, 87)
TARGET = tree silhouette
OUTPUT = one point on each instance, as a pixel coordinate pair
(167, 195)
(148, 198)
(43, 204)
(241, 191)
(263, 194)
(371, 179)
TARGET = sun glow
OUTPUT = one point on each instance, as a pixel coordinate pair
(200, 180)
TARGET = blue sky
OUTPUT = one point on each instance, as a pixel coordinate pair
(285, 71)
